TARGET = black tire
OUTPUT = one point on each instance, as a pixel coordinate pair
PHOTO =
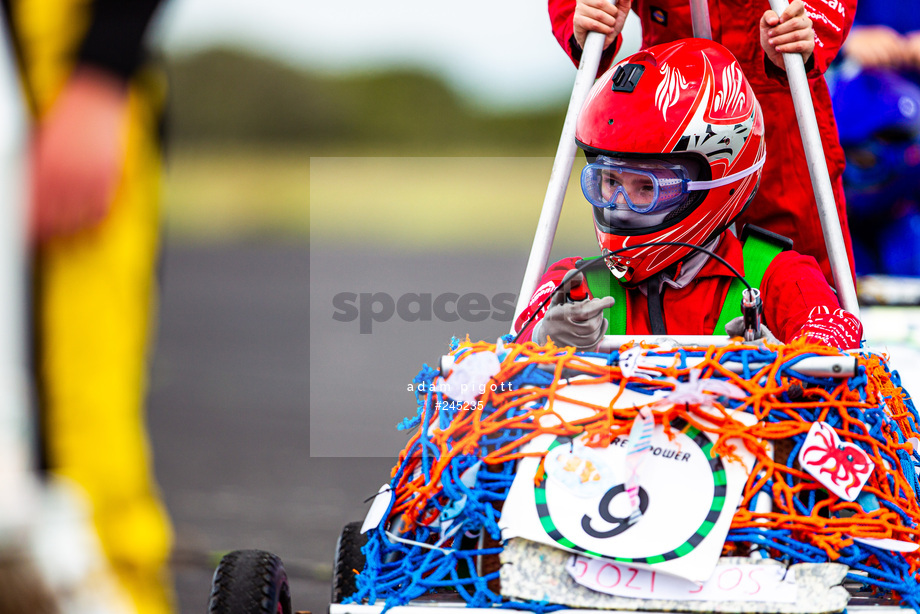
(250, 582)
(348, 558)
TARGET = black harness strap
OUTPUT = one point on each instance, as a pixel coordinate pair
(655, 314)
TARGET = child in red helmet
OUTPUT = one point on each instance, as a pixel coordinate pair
(675, 144)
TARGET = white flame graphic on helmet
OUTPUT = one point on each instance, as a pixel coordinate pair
(731, 98)
(669, 89)
(716, 141)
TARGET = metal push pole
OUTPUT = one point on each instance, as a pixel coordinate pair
(699, 16)
(562, 170)
(820, 178)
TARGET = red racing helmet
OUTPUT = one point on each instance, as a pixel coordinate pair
(682, 117)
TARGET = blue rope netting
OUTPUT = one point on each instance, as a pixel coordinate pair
(435, 557)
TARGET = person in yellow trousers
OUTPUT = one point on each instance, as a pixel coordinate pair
(95, 165)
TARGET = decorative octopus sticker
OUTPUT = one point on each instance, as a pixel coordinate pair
(842, 467)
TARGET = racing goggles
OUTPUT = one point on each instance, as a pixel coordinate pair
(646, 186)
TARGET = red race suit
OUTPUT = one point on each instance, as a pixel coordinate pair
(796, 300)
(785, 202)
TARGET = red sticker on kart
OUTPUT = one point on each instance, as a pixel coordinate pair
(842, 467)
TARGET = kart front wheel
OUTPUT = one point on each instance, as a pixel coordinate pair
(349, 561)
(250, 582)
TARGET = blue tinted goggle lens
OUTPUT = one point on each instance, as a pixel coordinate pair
(645, 187)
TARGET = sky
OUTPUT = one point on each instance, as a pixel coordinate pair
(496, 52)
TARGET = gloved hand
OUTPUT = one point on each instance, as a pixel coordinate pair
(581, 325)
(735, 328)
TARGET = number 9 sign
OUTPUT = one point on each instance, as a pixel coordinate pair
(681, 496)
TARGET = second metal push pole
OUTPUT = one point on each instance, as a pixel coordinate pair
(820, 179)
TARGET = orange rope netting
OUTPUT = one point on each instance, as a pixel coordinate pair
(765, 390)
(869, 410)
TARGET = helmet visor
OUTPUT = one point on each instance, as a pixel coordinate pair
(644, 186)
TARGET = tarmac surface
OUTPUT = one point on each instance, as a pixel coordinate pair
(232, 392)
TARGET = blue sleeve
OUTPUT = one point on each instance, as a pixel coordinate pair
(900, 15)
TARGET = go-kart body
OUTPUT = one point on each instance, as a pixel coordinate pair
(517, 497)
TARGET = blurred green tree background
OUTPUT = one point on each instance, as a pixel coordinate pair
(243, 130)
(230, 97)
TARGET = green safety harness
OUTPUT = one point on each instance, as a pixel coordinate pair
(759, 248)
